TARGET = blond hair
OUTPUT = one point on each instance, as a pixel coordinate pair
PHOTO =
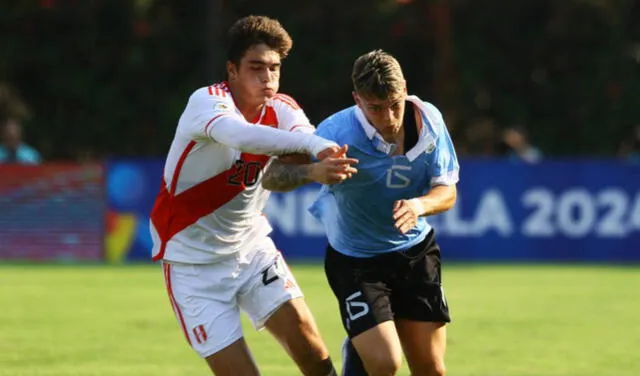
(377, 74)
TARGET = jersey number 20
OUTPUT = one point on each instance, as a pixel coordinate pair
(245, 173)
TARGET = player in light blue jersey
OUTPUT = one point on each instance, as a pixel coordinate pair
(382, 262)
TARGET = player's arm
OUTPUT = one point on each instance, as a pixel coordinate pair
(214, 118)
(443, 192)
(292, 171)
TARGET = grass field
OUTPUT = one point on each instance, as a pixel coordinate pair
(508, 320)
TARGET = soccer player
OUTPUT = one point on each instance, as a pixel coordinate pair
(383, 262)
(206, 224)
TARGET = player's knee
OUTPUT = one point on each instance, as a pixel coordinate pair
(388, 365)
(436, 368)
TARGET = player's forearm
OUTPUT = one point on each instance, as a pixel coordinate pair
(281, 177)
(264, 140)
(439, 199)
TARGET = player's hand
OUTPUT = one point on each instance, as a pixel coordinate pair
(332, 170)
(406, 213)
(333, 151)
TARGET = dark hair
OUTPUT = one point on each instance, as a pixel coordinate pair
(252, 30)
(378, 74)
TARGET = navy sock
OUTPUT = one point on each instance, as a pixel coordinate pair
(351, 362)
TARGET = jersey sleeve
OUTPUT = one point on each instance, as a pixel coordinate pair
(204, 108)
(442, 159)
(291, 117)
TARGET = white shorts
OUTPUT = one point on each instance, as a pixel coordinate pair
(207, 298)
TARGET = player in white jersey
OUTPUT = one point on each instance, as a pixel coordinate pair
(207, 224)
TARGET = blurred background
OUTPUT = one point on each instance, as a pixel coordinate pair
(541, 99)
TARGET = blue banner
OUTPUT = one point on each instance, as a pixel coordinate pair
(573, 210)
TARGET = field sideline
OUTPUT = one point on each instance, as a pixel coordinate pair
(510, 320)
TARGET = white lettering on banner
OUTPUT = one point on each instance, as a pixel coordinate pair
(281, 212)
(288, 213)
(493, 215)
(634, 216)
(539, 222)
(573, 213)
(576, 201)
(615, 203)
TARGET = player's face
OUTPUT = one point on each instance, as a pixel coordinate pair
(384, 114)
(257, 78)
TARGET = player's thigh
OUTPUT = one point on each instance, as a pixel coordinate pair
(379, 349)
(207, 316)
(424, 345)
(418, 294)
(360, 286)
(361, 290)
(272, 298)
(267, 286)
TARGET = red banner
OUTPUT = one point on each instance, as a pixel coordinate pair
(52, 212)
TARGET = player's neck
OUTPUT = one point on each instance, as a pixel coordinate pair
(399, 141)
(249, 109)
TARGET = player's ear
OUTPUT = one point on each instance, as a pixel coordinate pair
(356, 98)
(232, 70)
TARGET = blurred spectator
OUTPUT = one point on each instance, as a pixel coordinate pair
(12, 149)
(630, 146)
(515, 145)
(480, 137)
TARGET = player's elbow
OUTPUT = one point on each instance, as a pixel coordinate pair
(272, 184)
(448, 197)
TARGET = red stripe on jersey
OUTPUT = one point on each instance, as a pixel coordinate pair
(270, 118)
(206, 127)
(172, 299)
(210, 90)
(159, 214)
(300, 125)
(221, 90)
(173, 213)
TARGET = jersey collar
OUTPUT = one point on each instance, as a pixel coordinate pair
(426, 138)
(372, 134)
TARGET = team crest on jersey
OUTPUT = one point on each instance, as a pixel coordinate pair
(221, 107)
(431, 147)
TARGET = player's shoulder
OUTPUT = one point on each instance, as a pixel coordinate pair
(428, 107)
(338, 126)
(285, 102)
(431, 113)
(340, 121)
(219, 91)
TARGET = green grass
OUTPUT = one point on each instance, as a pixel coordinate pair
(508, 320)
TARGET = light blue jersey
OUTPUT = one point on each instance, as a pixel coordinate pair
(358, 213)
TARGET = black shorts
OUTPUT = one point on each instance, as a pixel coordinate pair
(395, 285)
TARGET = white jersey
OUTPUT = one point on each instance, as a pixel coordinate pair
(211, 200)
